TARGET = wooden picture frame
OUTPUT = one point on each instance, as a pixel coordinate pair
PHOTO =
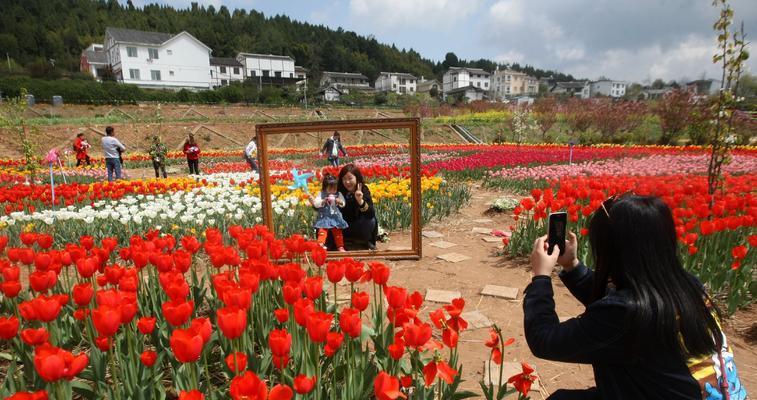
(264, 132)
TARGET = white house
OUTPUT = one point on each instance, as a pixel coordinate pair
(300, 72)
(580, 89)
(94, 60)
(397, 82)
(158, 60)
(267, 65)
(607, 87)
(469, 93)
(461, 77)
(508, 83)
(225, 70)
(344, 80)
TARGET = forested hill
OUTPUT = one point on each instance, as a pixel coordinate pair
(34, 31)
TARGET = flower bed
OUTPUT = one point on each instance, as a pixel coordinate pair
(219, 316)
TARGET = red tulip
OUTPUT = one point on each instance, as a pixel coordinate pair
(302, 310)
(40, 395)
(280, 392)
(177, 312)
(103, 343)
(318, 254)
(335, 271)
(186, 345)
(739, 252)
(146, 325)
(396, 296)
(107, 320)
(148, 358)
(280, 342)
(46, 308)
(387, 387)
(34, 337)
(83, 293)
(397, 349)
(191, 395)
(203, 327)
(360, 300)
(440, 369)
(353, 270)
(350, 323)
(8, 327)
(53, 364)
(232, 321)
(318, 326)
(236, 362)
(248, 387)
(379, 273)
(291, 292)
(282, 315)
(522, 381)
(303, 384)
(10, 289)
(237, 297)
(10, 273)
(416, 335)
(313, 287)
(333, 342)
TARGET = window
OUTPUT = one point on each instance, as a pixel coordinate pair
(236, 71)
(278, 74)
(155, 75)
(486, 84)
(131, 51)
(223, 70)
(411, 89)
(402, 89)
(170, 73)
(454, 79)
(252, 72)
(169, 52)
(224, 82)
(153, 53)
(478, 84)
(134, 74)
(265, 72)
(403, 81)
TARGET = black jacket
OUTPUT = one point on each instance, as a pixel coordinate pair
(600, 337)
(351, 211)
(328, 147)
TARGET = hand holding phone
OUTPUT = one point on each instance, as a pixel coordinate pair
(556, 232)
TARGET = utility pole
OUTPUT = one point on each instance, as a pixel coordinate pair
(306, 92)
(8, 57)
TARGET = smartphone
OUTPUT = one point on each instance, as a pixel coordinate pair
(556, 232)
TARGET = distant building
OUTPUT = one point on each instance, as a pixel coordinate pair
(329, 94)
(224, 71)
(508, 83)
(158, 60)
(580, 89)
(463, 77)
(397, 82)
(344, 80)
(607, 87)
(704, 87)
(426, 85)
(300, 72)
(654, 94)
(469, 93)
(94, 60)
(267, 66)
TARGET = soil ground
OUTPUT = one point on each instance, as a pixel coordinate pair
(485, 267)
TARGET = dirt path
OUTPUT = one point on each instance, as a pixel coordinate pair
(486, 268)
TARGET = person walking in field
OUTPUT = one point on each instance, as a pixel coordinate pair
(158, 152)
(332, 148)
(192, 151)
(251, 154)
(112, 149)
(81, 147)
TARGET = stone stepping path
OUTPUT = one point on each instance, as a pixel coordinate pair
(482, 231)
(491, 239)
(483, 221)
(503, 292)
(441, 296)
(443, 245)
(453, 257)
(432, 234)
(476, 320)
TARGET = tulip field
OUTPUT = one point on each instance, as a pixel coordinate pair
(171, 288)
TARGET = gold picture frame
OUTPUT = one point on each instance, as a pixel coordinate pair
(265, 131)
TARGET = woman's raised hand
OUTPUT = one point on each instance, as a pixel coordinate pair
(359, 193)
(569, 259)
(542, 263)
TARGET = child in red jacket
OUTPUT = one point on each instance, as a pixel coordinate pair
(192, 150)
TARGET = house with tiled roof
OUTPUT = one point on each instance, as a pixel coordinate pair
(464, 77)
(94, 61)
(225, 70)
(157, 59)
(397, 82)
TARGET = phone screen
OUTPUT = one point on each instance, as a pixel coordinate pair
(556, 232)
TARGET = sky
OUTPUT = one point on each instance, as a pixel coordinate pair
(630, 40)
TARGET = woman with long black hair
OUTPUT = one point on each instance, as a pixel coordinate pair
(649, 329)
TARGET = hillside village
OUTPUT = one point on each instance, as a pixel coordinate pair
(180, 61)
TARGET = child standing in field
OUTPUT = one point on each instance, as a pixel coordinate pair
(158, 153)
(192, 150)
(328, 203)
